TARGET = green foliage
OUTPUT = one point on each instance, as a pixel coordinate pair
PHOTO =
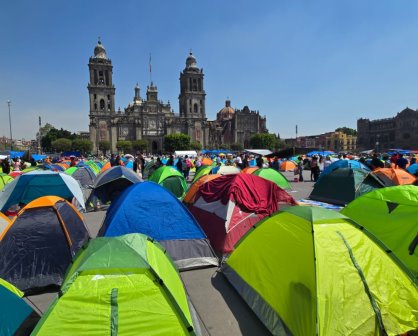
(237, 147)
(347, 130)
(82, 145)
(280, 144)
(124, 146)
(196, 145)
(61, 145)
(263, 141)
(104, 146)
(50, 134)
(177, 141)
(140, 145)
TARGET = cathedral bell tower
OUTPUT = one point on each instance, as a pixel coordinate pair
(192, 101)
(101, 96)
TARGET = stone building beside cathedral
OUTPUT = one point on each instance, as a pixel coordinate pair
(151, 119)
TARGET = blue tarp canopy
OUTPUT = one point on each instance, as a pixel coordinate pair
(38, 157)
(322, 153)
(14, 154)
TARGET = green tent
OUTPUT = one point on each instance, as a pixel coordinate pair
(391, 215)
(93, 166)
(342, 185)
(273, 176)
(171, 179)
(202, 171)
(123, 285)
(309, 271)
(4, 179)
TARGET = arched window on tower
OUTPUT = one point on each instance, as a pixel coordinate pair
(102, 104)
(200, 84)
(195, 108)
(194, 84)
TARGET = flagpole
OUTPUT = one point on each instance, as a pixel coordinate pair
(150, 69)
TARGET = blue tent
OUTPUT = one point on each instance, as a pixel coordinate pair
(27, 187)
(322, 153)
(343, 164)
(150, 209)
(413, 168)
(111, 182)
(17, 317)
(38, 157)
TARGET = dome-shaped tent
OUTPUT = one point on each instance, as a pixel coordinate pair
(171, 179)
(39, 244)
(150, 209)
(309, 271)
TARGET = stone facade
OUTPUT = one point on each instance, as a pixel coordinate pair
(234, 126)
(400, 131)
(151, 119)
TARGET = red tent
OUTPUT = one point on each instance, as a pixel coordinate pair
(227, 207)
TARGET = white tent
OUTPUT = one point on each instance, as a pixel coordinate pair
(261, 152)
(189, 153)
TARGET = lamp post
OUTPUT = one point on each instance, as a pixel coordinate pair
(10, 126)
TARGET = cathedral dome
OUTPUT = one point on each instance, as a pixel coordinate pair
(226, 113)
(99, 51)
(191, 61)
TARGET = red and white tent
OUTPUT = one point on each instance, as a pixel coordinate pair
(227, 207)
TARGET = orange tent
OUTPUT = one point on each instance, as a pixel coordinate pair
(63, 165)
(191, 193)
(206, 161)
(249, 170)
(391, 176)
(287, 165)
(105, 166)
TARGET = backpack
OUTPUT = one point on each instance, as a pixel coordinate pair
(189, 163)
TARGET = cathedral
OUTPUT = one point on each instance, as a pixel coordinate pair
(151, 119)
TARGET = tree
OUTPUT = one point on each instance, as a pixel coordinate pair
(237, 147)
(61, 145)
(347, 130)
(196, 145)
(124, 146)
(53, 134)
(82, 145)
(140, 145)
(104, 146)
(280, 144)
(177, 141)
(263, 141)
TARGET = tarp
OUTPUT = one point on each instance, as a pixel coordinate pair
(227, 207)
(194, 188)
(150, 209)
(309, 271)
(27, 187)
(261, 152)
(17, 316)
(391, 216)
(189, 153)
(41, 241)
(120, 286)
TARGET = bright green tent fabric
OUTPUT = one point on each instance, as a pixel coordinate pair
(391, 215)
(4, 179)
(202, 171)
(171, 179)
(122, 285)
(273, 176)
(71, 170)
(93, 166)
(309, 271)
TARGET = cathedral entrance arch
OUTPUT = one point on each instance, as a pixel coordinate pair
(154, 146)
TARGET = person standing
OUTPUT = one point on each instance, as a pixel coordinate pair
(5, 165)
(300, 168)
(401, 162)
(16, 164)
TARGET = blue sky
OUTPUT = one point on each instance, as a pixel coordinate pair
(317, 64)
